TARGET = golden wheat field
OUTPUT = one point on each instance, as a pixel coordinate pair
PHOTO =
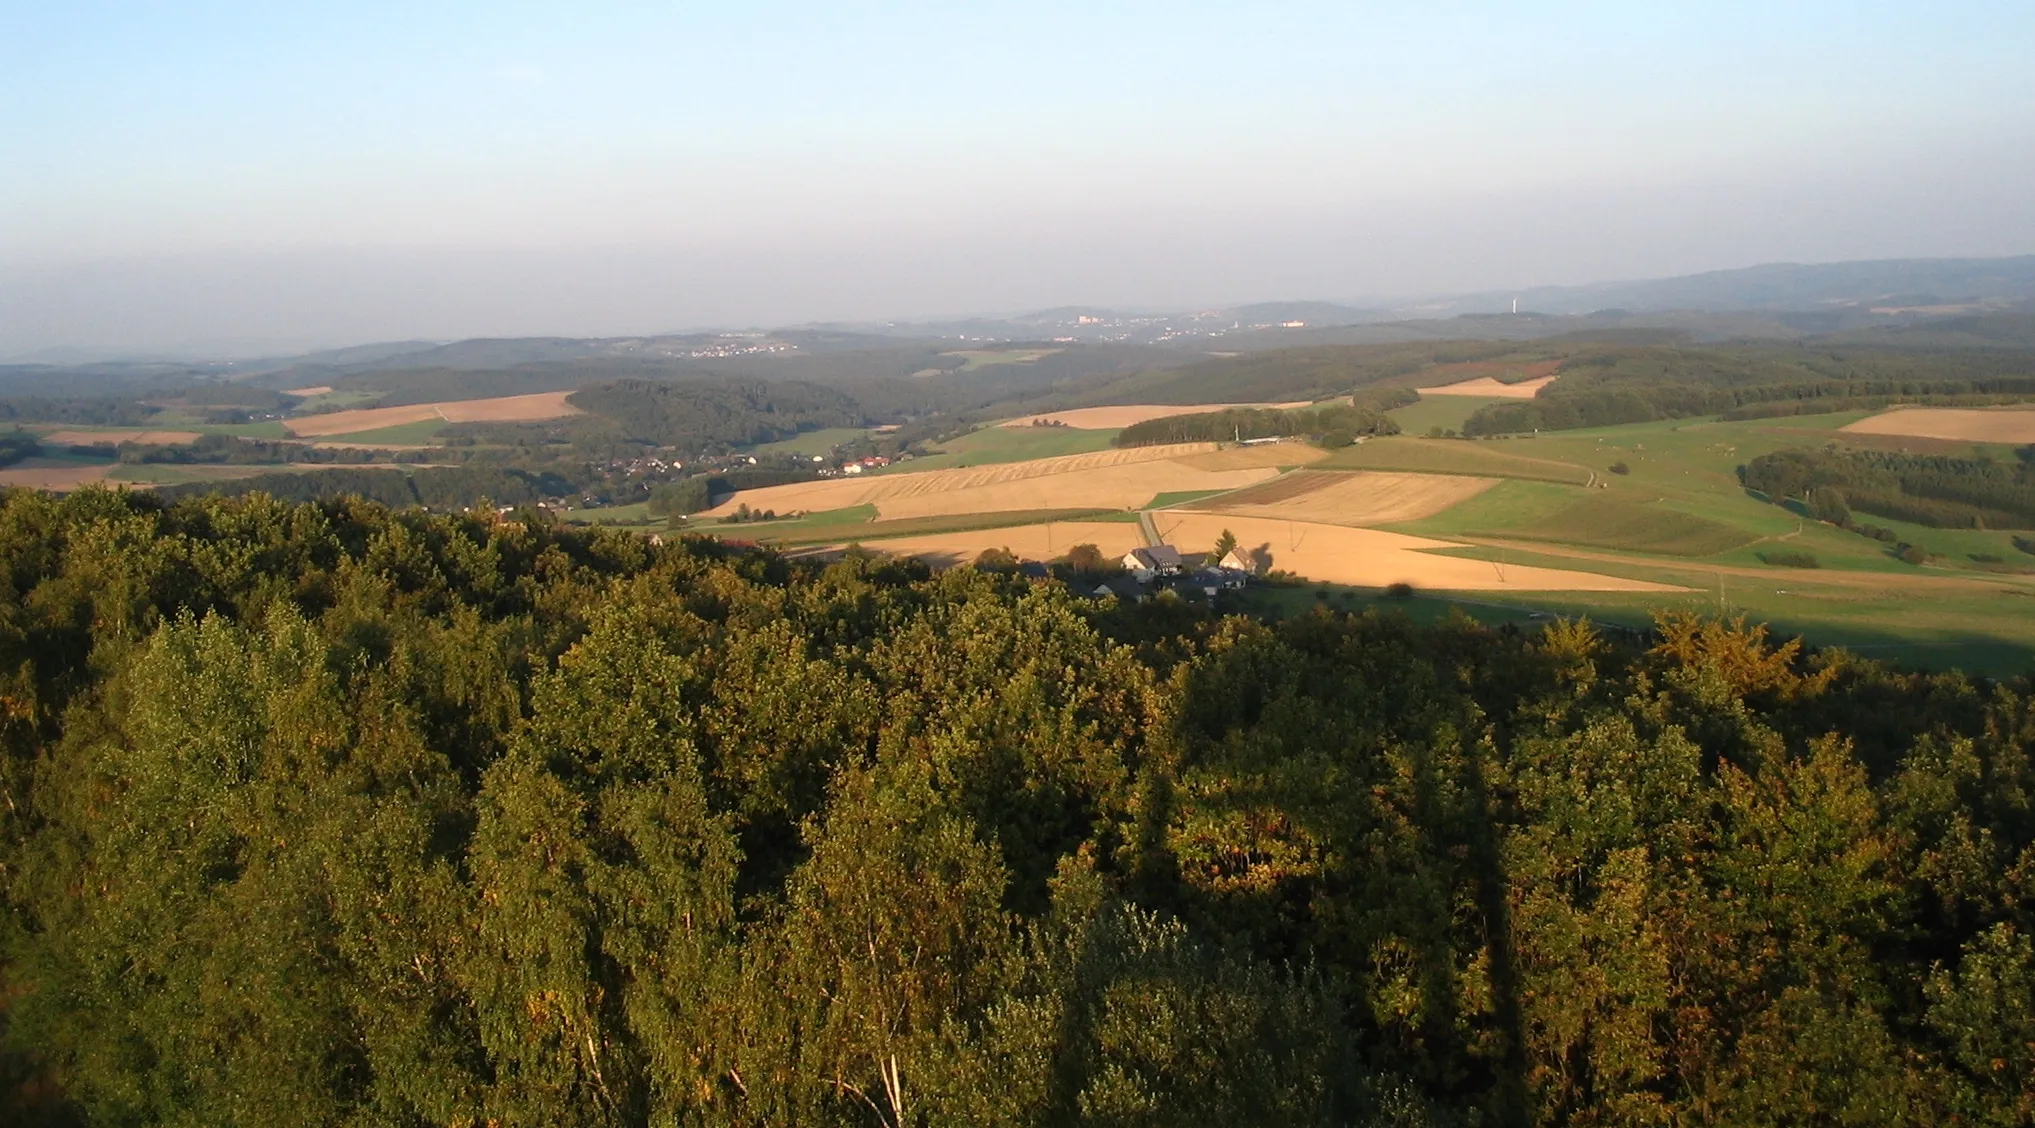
(1104, 479)
(499, 409)
(1487, 386)
(319, 390)
(1252, 457)
(1351, 497)
(91, 438)
(1375, 558)
(1026, 542)
(1959, 424)
(1111, 418)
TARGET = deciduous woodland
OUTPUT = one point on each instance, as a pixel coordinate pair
(329, 814)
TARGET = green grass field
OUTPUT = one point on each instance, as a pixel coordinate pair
(419, 433)
(984, 358)
(812, 442)
(993, 445)
(1456, 456)
(1180, 497)
(1446, 412)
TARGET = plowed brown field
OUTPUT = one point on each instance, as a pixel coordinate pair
(1374, 558)
(54, 477)
(92, 438)
(500, 409)
(1359, 497)
(1970, 425)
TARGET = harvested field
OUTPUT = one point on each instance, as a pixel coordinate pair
(320, 390)
(1027, 542)
(53, 476)
(1959, 424)
(500, 409)
(1489, 387)
(1356, 497)
(1252, 457)
(1374, 558)
(94, 438)
(1112, 418)
(1106, 479)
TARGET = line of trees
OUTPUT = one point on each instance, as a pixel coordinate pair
(329, 813)
(1605, 387)
(1261, 423)
(1935, 490)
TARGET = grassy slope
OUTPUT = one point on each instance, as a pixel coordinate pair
(812, 442)
(404, 434)
(993, 445)
(1952, 614)
(1457, 456)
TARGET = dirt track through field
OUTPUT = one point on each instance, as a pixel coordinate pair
(500, 409)
(1374, 558)
(1111, 418)
(1359, 497)
(1107, 479)
(1255, 456)
(1959, 424)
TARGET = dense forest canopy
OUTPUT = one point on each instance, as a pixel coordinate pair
(328, 813)
(1936, 490)
(1234, 424)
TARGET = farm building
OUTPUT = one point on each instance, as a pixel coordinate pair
(1148, 564)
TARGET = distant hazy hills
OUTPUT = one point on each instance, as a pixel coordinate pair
(1888, 287)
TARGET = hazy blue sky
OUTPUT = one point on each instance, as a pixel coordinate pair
(241, 174)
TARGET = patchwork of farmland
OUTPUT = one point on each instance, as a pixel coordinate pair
(1375, 558)
(499, 409)
(1351, 497)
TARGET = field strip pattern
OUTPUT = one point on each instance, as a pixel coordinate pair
(1124, 415)
(1108, 479)
(1375, 558)
(1958, 424)
(1489, 387)
(499, 409)
(1350, 497)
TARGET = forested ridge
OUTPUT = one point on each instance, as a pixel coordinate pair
(327, 813)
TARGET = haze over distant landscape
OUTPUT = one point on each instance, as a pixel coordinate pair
(250, 178)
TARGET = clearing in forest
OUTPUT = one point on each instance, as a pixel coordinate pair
(1960, 424)
(1490, 388)
(1352, 497)
(1375, 558)
(499, 409)
(1124, 415)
